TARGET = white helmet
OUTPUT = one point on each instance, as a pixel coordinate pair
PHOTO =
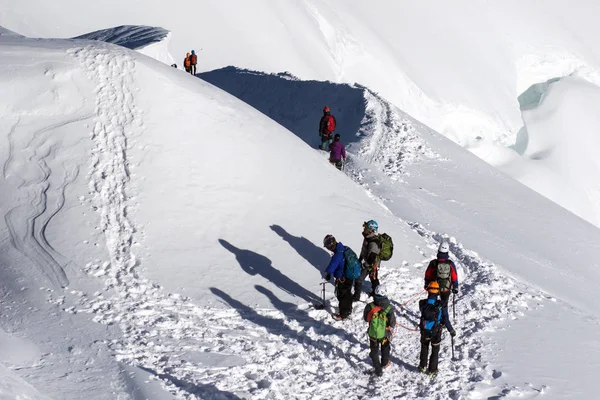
(381, 290)
(444, 247)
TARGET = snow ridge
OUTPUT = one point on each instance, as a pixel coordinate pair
(288, 352)
(130, 36)
(389, 142)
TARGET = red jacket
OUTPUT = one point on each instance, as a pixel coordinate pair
(431, 272)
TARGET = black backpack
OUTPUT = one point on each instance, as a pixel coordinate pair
(430, 318)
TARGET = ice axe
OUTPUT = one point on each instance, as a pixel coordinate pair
(322, 305)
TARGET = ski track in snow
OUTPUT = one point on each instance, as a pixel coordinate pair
(289, 352)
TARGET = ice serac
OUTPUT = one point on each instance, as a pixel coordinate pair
(149, 40)
(562, 138)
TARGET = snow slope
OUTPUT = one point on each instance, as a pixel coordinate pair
(182, 254)
(458, 82)
(436, 187)
(458, 67)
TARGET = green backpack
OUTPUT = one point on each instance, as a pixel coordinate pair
(378, 321)
(386, 246)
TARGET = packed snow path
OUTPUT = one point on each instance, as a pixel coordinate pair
(287, 352)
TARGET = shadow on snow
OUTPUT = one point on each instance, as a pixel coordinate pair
(204, 391)
(294, 104)
(278, 327)
(257, 264)
(315, 255)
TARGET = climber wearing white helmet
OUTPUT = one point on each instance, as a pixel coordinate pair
(382, 320)
(443, 271)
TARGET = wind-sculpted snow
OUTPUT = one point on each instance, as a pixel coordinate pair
(129, 36)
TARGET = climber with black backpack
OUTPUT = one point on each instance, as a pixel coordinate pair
(433, 318)
(344, 267)
(443, 271)
(375, 248)
(382, 321)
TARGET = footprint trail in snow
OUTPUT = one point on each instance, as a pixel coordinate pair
(288, 352)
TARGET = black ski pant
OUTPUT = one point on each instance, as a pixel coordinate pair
(338, 163)
(373, 276)
(343, 289)
(374, 354)
(444, 301)
(434, 341)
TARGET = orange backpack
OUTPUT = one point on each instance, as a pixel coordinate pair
(193, 59)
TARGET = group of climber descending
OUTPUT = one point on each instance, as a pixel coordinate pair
(329, 141)
(349, 270)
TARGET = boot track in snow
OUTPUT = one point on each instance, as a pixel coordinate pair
(266, 353)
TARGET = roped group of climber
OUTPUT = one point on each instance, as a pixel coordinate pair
(349, 272)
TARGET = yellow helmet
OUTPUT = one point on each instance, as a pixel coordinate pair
(433, 287)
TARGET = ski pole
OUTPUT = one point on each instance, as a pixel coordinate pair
(452, 339)
(323, 291)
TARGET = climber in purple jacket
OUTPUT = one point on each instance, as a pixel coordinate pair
(337, 152)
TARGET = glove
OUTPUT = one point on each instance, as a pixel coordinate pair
(388, 333)
(455, 290)
(344, 159)
(328, 277)
(452, 333)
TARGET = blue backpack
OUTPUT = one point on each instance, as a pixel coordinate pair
(351, 264)
(431, 315)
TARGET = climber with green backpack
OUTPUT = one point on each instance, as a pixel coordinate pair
(344, 267)
(382, 321)
(375, 248)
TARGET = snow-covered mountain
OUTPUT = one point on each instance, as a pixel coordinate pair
(162, 239)
(458, 67)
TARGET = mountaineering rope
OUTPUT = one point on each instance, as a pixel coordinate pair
(403, 306)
